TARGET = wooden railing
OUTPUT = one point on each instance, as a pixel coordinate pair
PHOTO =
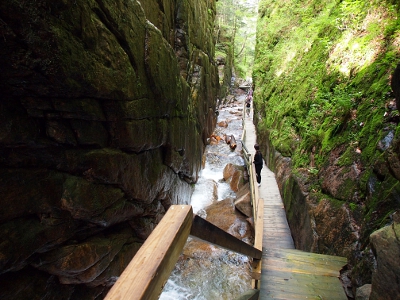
(149, 270)
(146, 274)
(258, 213)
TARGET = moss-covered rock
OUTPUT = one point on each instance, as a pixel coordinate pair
(106, 108)
(323, 100)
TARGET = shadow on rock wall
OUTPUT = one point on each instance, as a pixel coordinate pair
(105, 110)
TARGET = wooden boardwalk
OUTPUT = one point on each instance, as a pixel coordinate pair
(288, 273)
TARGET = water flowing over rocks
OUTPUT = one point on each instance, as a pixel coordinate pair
(105, 113)
(205, 271)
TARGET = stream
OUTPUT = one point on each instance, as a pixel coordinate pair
(205, 271)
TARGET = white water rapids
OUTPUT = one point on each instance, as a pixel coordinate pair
(219, 273)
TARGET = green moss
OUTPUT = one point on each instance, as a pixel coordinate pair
(322, 75)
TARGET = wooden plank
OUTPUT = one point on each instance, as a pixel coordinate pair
(307, 261)
(279, 278)
(148, 271)
(294, 284)
(329, 261)
(295, 274)
(305, 254)
(301, 267)
(207, 231)
(285, 295)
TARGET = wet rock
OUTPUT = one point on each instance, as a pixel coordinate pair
(223, 124)
(26, 192)
(385, 143)
(24, 237)
(232, 143)
(340, 181)
(105, 112)
(395, 84)
(237, 180)
(22, 285)
(83, 262)
(78, 198)
(234, 175)
(363, 292)
(119, 263)
(243, 201)
(228, 138)
(394, 159)
(386, 247)
(332, 224)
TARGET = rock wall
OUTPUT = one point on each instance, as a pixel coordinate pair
(224, 58)
(326, 225)
(105, 111)
(334, 119)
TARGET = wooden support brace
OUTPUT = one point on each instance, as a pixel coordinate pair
(207, 231)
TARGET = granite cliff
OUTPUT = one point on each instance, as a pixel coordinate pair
(105, 110)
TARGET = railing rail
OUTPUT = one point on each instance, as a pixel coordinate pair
(258, 208)
(147, 273)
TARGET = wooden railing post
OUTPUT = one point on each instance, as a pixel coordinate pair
(149, 270)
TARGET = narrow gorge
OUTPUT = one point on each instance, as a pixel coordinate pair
(106, 109)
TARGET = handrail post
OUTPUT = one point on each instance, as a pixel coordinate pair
(149, 270)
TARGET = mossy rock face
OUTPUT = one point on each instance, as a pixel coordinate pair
(332, 114)
(105, 112)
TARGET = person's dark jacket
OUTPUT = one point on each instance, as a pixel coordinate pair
(258, 160)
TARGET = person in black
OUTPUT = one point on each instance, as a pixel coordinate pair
(258, 163)
(248, 105)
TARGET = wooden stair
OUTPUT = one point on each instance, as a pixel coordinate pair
(294, 274)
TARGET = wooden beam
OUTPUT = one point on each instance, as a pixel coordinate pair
(147, 273)
(249, 295)
(207, 231)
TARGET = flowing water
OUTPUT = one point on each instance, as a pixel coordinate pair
(210, 272)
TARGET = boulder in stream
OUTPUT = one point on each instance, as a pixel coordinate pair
(235, 175)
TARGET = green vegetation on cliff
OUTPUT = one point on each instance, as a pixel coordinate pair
(323, 74)
(322, 97)
(322, 77)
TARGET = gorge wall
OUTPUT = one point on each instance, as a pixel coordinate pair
(104, 114)
(326, 87)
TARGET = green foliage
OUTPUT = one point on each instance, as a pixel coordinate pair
(239, 18)
(321, 75)
(353, 206)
